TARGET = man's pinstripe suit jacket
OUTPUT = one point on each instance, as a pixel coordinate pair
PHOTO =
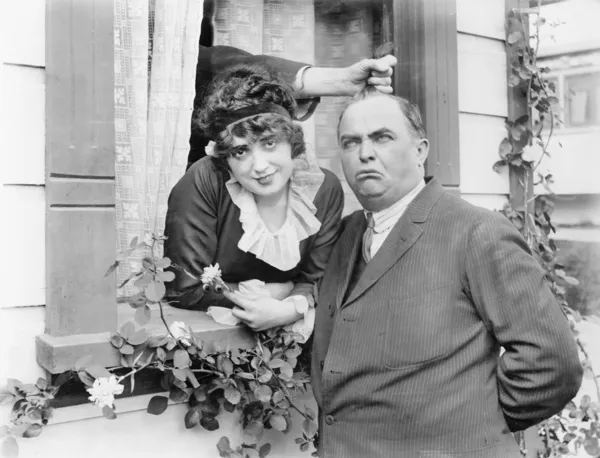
(409, 365)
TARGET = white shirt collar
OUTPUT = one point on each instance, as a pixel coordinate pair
(281, 249)
(385, 219)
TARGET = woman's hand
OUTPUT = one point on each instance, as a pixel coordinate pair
(280, 290)
(260, 312)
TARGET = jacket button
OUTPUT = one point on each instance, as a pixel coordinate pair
(329, 420)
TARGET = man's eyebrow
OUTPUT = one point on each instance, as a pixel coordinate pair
(350, 137)
(378, 132)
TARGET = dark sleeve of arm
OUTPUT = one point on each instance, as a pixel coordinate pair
(191, 228)
(313, 266)
(539, 372)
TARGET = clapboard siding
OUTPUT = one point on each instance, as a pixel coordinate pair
(484, 18)
(482, 75)
(482, 99)
(22, 194)
(480, 136)
(18, 328)
(24, 273)
(22, 124)
(22, 32)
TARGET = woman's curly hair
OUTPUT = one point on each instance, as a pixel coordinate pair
(242, 86)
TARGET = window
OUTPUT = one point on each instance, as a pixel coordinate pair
(578, 93)
(582, 100)
(82, 138)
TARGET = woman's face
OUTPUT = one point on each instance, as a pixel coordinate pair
(263, 167)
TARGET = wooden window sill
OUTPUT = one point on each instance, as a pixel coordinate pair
(59, 354)
(87, 410)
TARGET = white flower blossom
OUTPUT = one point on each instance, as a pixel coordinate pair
(210, 148)
(210, 274)
(181, 332)
(104, 390)
(533, 153)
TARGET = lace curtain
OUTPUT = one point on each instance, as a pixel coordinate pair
(156, 49)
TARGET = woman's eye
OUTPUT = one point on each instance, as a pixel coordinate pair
(270, 143)
(240, 152)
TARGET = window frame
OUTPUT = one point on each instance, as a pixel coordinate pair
(81, 308)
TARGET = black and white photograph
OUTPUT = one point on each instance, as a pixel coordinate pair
(300, 228)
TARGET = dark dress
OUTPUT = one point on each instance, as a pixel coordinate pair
(203, 228)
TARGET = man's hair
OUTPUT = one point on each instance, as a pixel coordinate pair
(412, 114)
(242, 86)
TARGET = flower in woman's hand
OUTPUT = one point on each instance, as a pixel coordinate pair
(210, 148)
(211, 274)
(181, 332)
(104, 390)
(211, 277)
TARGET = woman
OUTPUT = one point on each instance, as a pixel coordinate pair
(256, 206)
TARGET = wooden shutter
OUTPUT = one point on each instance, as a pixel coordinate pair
(427, 74)
(80, 172)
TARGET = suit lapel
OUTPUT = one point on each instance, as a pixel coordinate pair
(402, 237)
(351, 244)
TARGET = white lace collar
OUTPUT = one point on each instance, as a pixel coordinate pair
(281, 249)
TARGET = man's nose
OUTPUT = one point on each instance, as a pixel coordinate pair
(366, 152)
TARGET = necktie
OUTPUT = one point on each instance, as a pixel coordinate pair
(368, 237)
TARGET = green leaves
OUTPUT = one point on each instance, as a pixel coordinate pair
(155, 291)
(33, 430)
(177, 394)
(232, 395)
(278, 422)
(181, 359)
(263, 393)
(157, 405)
(224, 447)
(108, 413)
(515, 37)
(209, 423)
(142, 315)
(192, 417)
(254, 432)
(6, 398)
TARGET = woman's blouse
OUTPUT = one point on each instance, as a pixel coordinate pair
(205, 226)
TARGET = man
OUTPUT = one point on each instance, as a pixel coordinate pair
(309, 82)
(415, 306)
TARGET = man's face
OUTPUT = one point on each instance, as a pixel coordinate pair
(379, 154)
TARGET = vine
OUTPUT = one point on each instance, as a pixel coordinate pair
(260, 383)
(522, 151)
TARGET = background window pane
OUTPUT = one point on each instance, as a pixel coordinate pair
(582, 100)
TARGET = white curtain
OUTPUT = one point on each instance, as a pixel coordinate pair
(156, 49)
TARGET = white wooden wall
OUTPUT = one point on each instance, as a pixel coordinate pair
(482, 99)
(22, 274)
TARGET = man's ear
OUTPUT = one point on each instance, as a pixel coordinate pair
(422, 150)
